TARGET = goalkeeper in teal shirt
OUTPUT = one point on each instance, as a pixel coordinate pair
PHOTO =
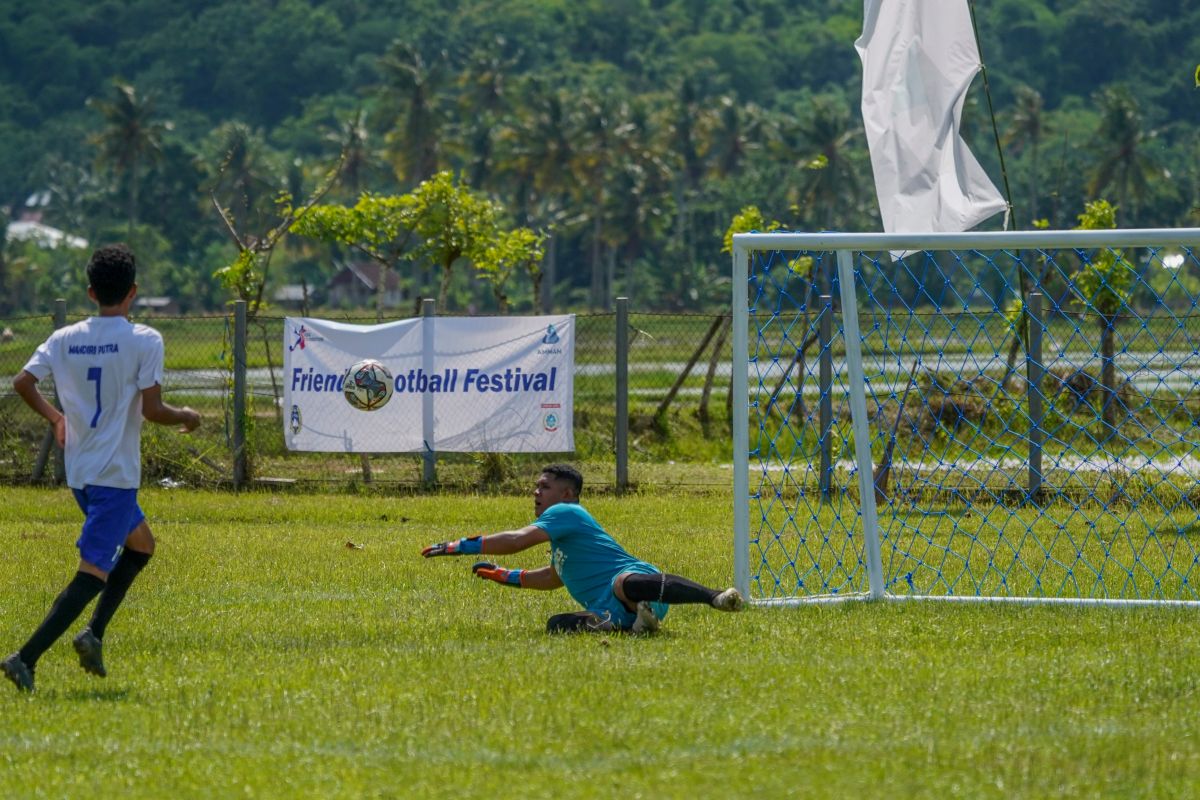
(617, 591)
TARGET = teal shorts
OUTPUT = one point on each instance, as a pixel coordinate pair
(612, 609)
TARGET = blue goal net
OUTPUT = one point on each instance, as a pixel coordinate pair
(1000, 416)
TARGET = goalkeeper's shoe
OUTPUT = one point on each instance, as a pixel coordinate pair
(647, 620)
(729, 600)
(91, 656)
(16, 671)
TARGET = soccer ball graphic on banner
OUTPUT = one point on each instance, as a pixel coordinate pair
(368, 385)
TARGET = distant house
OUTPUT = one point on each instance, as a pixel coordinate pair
(28, 226)
(354, 286)
(290, 295)
(156, 305)
(42, 235)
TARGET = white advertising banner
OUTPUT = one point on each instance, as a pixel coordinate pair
(459, 384)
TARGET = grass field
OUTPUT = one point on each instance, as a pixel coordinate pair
(259, 656)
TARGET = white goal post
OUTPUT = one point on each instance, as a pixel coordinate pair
(969, 417)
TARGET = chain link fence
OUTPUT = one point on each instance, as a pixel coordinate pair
(677, 398)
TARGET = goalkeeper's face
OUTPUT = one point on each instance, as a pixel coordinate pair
(550, 491)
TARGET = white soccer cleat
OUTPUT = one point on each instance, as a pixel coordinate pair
(729, 600)
(647, 621)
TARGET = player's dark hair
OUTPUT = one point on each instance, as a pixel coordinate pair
(565, 472)
(111, 272)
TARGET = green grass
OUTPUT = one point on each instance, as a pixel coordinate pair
(259, 656)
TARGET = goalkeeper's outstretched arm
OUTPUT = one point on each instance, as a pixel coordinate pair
(501, 544)
(544, 578)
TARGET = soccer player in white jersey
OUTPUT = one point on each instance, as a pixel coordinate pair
(617, 591)
(108, 373)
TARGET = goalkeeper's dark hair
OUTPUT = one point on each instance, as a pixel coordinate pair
(111, 272)
(565, 472)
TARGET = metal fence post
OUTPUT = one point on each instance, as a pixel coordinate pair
(622, 390)
(60, 467)
(240, 467)
(428, 456)
(1035, 374)
(825, 379)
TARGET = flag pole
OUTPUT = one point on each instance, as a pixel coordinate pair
(1020, 331)
(1010, 223)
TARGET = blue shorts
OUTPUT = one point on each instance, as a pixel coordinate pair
(611, 608)
(110, 515)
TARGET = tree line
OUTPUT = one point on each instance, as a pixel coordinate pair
(619, 137)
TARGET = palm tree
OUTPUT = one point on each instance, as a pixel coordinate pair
(594, 155)
(353, 137)
(638, 186)
(829, 186)
(515, 165)
(416, 83)
(687, 120)
(538, 152)
(736, 132)
(132, 137)
(247, 171)
(1026, 129)
(1121, 147)
(483, 99)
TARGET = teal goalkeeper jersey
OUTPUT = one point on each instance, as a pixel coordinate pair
(585, 557)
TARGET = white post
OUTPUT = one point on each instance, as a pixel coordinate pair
(429, 456)
(241, 465)
(857, 388)
(741, 422)
(622, 427)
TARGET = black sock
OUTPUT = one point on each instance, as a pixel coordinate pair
(668, 589)
(119, 580)
(67, 606)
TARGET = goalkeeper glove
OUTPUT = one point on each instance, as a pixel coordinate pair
(491, 572)
(469, 545)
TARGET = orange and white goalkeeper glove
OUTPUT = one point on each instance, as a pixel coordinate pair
(491, 572)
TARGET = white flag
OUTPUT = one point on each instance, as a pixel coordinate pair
(919, 57)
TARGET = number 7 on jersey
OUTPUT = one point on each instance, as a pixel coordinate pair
(94, 375)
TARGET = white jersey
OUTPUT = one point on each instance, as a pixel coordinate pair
(100, 367)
